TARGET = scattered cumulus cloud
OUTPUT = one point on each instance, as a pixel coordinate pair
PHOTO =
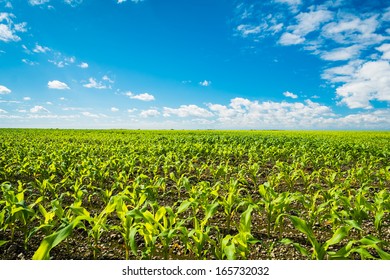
(134, 1)
(354, 37)
(3, 111)
(142, 96)
(8, 28)
(114, 109)
(385, 50)
(73, 3)
(290, 94)
(187, 111)
(26, 98)
(29, 62)
(290, 39)
(83, 65)
(149, 113)
(205, 83)
(371, 81)
(132, 110)
(38, 2)
(338, 54)
(95, 84)
(39, 109)
(90, 115)
(4, 90)
(40, 49)
(55, 84)
(106, 78)
(242, 112)
(60, 60)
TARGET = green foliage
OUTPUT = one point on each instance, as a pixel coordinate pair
(196, 194)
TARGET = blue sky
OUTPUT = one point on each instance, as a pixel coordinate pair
(204, 64)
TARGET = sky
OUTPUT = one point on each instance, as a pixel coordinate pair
(195, 64)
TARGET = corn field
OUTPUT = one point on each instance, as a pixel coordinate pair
(122, 194)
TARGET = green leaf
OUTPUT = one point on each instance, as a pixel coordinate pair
(229, 248)
(303, 251)
(50, 241)
(339, 235)
(133, 244)
(382, 254)
(160, 213)
(245, 220)
(210, 210)
(183, 206)
(301, 225)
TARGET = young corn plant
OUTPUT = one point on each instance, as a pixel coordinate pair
(231, 247)
(364, 247)
(128, 221)
(52, 240)
(230, 200)
(274, 205)
(381, 207)
(200, 234)
(319, 250)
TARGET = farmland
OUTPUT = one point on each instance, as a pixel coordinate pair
(123, 194)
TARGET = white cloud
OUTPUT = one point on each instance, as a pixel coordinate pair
(369, 82)
(149, 113)
(26, 98)
(342, 53)
(4, 90)
(59, 64)
(90, 115)
(205, 83)
(289, 2)
(187, 111)
(290, 94)
(3, 111)
(142, 96)
(61, 60)
(245, 113)
(29, 62)
(342, 74)
(94, 84)
(55, 84)
(8, 28)
(290, 39)
(132, 110)
(307, 22)
(38, 109)
(385, 49)
(351, 29)
(134, 1)
(248, 29)
(40, 49)
(106, 78)
(310, 21)
(114, 109)
(73, 3)
(83, 65)
(8, 5)
(38, 2)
